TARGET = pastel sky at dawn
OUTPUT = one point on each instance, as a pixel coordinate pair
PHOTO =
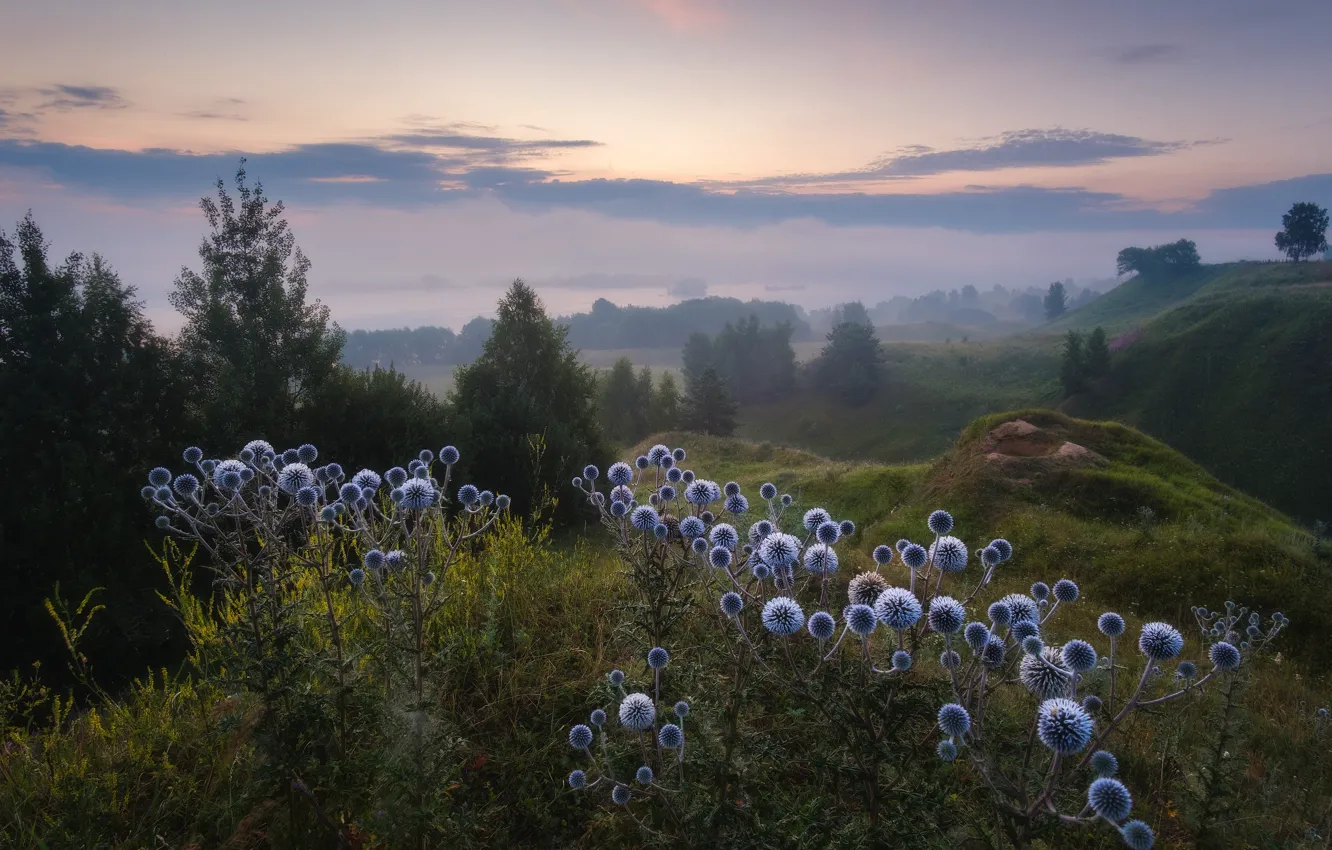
(430, 151)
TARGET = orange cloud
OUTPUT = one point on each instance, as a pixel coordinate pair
(687, 15)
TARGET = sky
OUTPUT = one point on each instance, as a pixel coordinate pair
(430, 151)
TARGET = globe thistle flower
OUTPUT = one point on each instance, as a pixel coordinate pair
(428, 579)
(760, 571)
(946, 615)
(487, 498)
(642, 462)
(946, 750)
(1004, 547)
(860, 619)
(294, 477)
(914, 556)
(1040, 590)
(1104, 764)
(163, 522)
(208, 466)
(1033, 645)
(724, 534)
(768, 491)
(637, 712)
(898, 608)
(992, 654)
(1000, 614)
(349, 492)
(192, 455)
(730, 488)
(700, 492)
(692, 526)
(226, 475)
(468, 495)
(159, 476)
(577, 779)
(396, 477)
(949, 659)
(1023, 629)
(865, 588)
(883, 555)
(616, 677)
(417, 495)
(1092, 703)
(590, 472)
(620, 795)
(644, 775)
(821, 625)
(373, 559)
(847, 527)
(901, 661)
(1079, 656)
(731, 603)
(820, 560)
(675, 475)
(787, 500)
(658, 658)
(940, 522)
(147, 491)
(976, 634)
(657, 454)
(618, 509)
(814, 517)
(306, 497)
(779, 550)
(989, 557)
(1047, 676)
(1109, 799)
(1160, 641)
(901, 545)
(707, 517)
(395, 560)
(644, 518)
(736, 504)
(954, 721)
(660, 531)
(1063, 725)
(1065, 590)
(621, 493)
(666, 493)
(395, 495)
(1137, 835)
(502, 502)
(580, 737)
(678, 454)
(782, 616)
(185, 485)
(334, 471)
(597, 718)
(827, 533)
(619, 474)
(950, 554)
(448, 455)
(1023, 608)
(671, 737)
(1225, 657)
(720, 557)
(1111, 624)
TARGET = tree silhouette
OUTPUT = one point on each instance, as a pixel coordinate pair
(1303, 231)
(1056, 301)
(708, 406)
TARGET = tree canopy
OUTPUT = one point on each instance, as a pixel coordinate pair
(1055, 301)
(708, 405)
(1170, 259)
(849, 364)
(1303, 232)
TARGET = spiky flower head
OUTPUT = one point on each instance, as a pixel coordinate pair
(307, 453)
(1000, 614)
(356, 576)
(675, 475)
(597, 718)
(1047, 676)
(782, 616)
(657, 454)
(976, 634)
(644, 518)
(720, 557)
(883, 555)
(666, 493)
(395, 560)
(898, 608)
(1040, 590)
(163, 522)
(1225, 657)
(787, 500)
(1092, 703)
(642, 462)
(901, 661)
(396, 477)
(1186, 670)
(660, 531)
(616, 677)
(1079, 656)
(681, 709)
(954, 720)
(620, 795)
(1104, 764)
(468, 495)
(1137, 835)
(618, 509)
(821, 625)
(658, 658)
(949, 659)
(992, 654)
(159, 476)
(760, 571)
(185, 485)
(701, 491)
(1111, 624)
(1063, 725)
(374, 559)
(820, 560)
(940, 522)
(1023, 629)
(860, 619)
(1110, 799)
(950, 554)
(914, 556)
(417, 495)
(865, 588)
(307, 496)
(730, 488)
(1065, 590)
(1033, 645)
(1160, 641)
(290, 456)
(193, 454)
(1023, 608)
(644, 775)
(148, 491)
(828, 532)
(847, 527)
(768, 491)
(779, 550)
(637, 712)
(732, 603)
(577, 779)
(946, 750)
(724, 534)
(671, 736)
(580, 737)
(692, 526)
(349, 493)
(946, 614)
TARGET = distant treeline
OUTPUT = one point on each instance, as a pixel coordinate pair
(967, 306)
(410, 346)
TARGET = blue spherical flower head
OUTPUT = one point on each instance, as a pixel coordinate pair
(883, 555)
(1045, 675)
(898, 608)
(779, 550)
(901, 545)
(946, 750)
(657, 454)
(1065, 590)
(619, 474)
(335, 471)
(660, 531)
(185, 485)
(1023, 629)
(681, 709)
(193, 454)
(1024, 608)
(1111, 624)
(577, 779)
(732, 603)
(616, 677)
(637, 712)
(950, 554)
(730, 488)
(580, 737)
(768, 491)
(671, 737)
(449, 456)
(159, 477)
(1109, 799)
(642, 462)
(865, 588)
(468, 495)
(700, 492)
(760, 571)
(1004, 548)
(644, 775)
(1104, 764)
(1186, 670)
(949, 659)
(306, 497)
(1079, 656)
(1033, 645)
(598, 717)
(820, 560)
(914, 556)
(782, 616)
(989, 557)
(620, 795)
(828, 532)
(617, 509)
(294, 477)
(720, 557)
(396, 477)
(787, 500)
(954, 720)
(1040, 590)
(1160, 641)
(946, 614)
(901, 661)
(736, 504)
(940, 522)
(162, 522)
(658, 658)
(208, 466)
(417, 495)
(700, 545)
(678, 454)
(691, 526)
(860, 619)
(668, 463)
(502, 502)
(821, 625)
(675, 474)
(976, 634)
(1063, 725)
(148, 491)
(847, 527)
(307, 453)
(814, 517)
(487, 498)
(1225, 657)
(590, 472)
(356, 576)
(1000, 614)
(723, 534)
(764, 528)
(290, 456)
(1137, 835)
(993, 653)
(349, 493)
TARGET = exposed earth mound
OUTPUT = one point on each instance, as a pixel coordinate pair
(1018, 442)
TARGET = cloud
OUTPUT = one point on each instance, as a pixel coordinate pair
(64, 98)
(701, 16)
(215, 116)
(690, 287)
(1148, 54)
(602, 282)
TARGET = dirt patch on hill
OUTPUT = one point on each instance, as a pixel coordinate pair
(1022, 450)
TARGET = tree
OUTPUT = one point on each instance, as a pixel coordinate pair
(1073, 367)
(623, 408)
(849, 364)
(696, 356)
(1171, 259)
(666, 404)
(1303, 231)
(373, 417)
(852, 311)
(1096, 354)
(1056, 301)
(708, 406)
(526, 409)
(254, 346)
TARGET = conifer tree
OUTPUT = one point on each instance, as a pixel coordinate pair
(708, 406)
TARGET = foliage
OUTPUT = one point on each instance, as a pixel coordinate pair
(849, 364)
(623, 410)
(1073, 365)
(1171, 259)
(665, 404)
(426, 345)
(708, 407)
(757, 362)
(611, 326)
(1303, 231)
(1097, 353)
(1056, 301)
